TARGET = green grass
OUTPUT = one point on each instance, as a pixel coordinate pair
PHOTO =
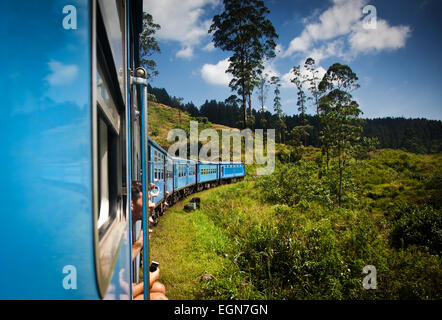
(187, 245)
(257, 248)
(163, 118)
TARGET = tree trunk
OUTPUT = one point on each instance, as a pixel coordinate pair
(244, 105)
(341, 168)
(250, 104)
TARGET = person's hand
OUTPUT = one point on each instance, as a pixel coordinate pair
(140, 238)
(154, 276)
(158, 296)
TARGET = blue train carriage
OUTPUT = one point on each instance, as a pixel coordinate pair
(157, 174)
(66, 172)
(184, 172)
(231, 171)
(169, 179)
(207, 175)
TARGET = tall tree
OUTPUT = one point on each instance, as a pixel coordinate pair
(299, 80)
(302, 132)
(277, 107)
(312, 78)
(149, 45)
(263, 89)
(244, 30)
(341, 126)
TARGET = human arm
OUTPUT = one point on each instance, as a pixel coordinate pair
(136, 247)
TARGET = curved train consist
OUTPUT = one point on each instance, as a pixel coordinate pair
(176, 178)
(74, 139)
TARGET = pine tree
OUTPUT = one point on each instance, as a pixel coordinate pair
(149, 45)
(244, 30)
(312, 78)
(341, 126)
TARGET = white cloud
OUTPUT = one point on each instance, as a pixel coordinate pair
(384, 37)
(181, 21)
(216, 73)
(209, 47)
(301, 43)
(339, 32)
(61, 74)
(186, 53)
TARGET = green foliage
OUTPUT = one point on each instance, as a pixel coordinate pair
(151, 97)
(420, 226)
(243, 29)
(291, 184)
(149, 45)
(155, 132)
(299, 135)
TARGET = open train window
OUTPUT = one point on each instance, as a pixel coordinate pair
(109, 132)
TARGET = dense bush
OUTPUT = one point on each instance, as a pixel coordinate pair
(287, 242)
(420, 226)
(293, 183)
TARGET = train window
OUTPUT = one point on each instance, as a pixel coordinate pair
(110, 202)
(108, 131)
(169, 168)
(158, 166)
(112, 11)
(162, 167)
(103, 215)
(154, 165)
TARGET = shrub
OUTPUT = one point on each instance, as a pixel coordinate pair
(420, 226)
(294, 183)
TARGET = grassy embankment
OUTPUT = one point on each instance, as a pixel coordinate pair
(163, 118)
(249, 241)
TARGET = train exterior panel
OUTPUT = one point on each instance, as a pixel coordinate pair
(191, 172)
(232, 170)
(180, 173)
(157, 170)
(169, 174)
(207, 172)
(68, 226)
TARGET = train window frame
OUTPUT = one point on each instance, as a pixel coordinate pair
(108, 237)
(155, 165)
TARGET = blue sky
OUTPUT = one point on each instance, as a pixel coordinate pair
(398, 63)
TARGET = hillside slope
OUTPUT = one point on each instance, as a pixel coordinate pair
(163, 118)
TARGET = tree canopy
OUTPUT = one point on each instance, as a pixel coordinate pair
(244, 30)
